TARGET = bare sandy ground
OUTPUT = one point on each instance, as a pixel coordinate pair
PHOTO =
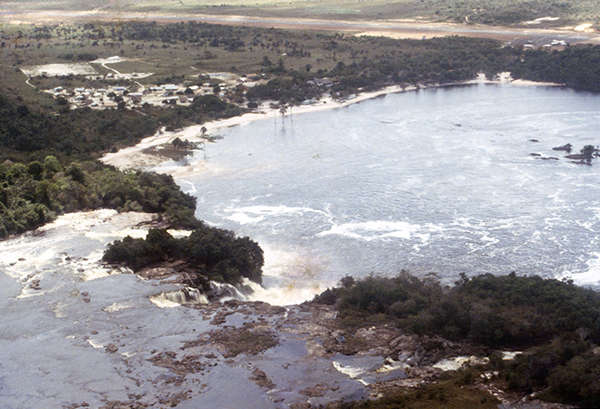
(54, 70)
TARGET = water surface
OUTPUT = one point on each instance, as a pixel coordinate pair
(439, 180)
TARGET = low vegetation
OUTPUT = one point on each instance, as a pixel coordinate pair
(209, 254)
(556, 322)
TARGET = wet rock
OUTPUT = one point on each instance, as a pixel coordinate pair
(220, 317)
(318, 390)
(566, 148)
(261, 379)
(218, 291)
(249, 339)
(535, 154)
(83, 404)
(533, 140)
(112, 348)
(187, 365)
(175, 399)
(300, 405)
(158, 273)
(35, 284)
(132, 404)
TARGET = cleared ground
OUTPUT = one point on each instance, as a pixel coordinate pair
(496, 12)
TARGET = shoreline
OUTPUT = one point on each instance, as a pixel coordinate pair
(134, 157)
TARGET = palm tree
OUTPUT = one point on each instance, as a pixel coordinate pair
(283, 109)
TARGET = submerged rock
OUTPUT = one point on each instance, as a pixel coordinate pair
(112, 348)
(567, 148)
(35, 284)
(261, 379)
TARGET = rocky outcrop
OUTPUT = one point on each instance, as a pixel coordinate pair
(566, 148)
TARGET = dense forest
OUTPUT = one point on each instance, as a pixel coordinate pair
(576, 67)
(555, 322)
(33, 193)
(85, 132)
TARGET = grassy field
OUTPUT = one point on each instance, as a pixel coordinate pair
(499, 12)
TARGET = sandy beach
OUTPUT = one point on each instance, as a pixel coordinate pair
(135, 157)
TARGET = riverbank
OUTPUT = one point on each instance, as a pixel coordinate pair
(137, 156)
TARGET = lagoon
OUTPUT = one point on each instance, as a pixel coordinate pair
(438, 180)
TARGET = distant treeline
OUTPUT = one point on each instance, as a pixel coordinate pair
(437, 60)
(351, 62)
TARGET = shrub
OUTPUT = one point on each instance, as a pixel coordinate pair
(209, 251)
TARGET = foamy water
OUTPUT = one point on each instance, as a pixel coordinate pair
(439, 180)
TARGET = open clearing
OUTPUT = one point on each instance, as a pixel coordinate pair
(56, 70)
